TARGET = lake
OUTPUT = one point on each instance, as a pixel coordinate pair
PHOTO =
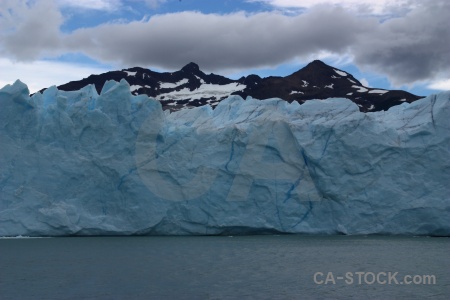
(225, 267)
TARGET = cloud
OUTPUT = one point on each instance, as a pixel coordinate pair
(56, 73)
(409, 49)
(216, 42)
(443, 85)
(412, 47)
(104, 5)
(154, 3)
(107, 5)
(32, 30)
(361, 6)
(364, 82)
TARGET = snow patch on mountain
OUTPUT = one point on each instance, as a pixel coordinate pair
(204, 91)
(201, 80)
(169, 85)
(378, 92)
(361, 89)
(340, 72)
(129, 73)
(135, 87)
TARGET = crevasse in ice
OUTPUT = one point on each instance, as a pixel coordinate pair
(79, 163)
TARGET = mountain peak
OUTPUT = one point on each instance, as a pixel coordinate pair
(316, 64)
(191, 67)
(190, 87)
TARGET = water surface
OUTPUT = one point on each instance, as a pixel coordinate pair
(239, 267)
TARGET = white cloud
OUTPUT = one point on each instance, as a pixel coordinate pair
(443, 85)
(363, 6)
(106, 5)
(154, 3)
(364, 82)
(42, 74)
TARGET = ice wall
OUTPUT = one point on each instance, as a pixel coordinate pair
(79, 163)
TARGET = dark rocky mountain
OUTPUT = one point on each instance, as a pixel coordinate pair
(190, 87)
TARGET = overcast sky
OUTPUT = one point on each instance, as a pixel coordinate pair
(384, 43)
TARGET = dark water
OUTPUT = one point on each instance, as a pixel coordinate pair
(249, 267)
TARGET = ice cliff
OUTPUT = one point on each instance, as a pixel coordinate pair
(79, 163)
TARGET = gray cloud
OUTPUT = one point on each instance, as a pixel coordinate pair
(220, 41)
(408, 48)
(412, 48)
(35, 29)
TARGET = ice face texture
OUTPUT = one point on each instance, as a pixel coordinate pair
(79, 163)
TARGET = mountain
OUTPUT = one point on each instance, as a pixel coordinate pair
(190, 87)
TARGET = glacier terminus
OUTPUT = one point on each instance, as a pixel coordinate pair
(83, 163)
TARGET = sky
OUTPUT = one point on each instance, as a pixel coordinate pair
(391, 44)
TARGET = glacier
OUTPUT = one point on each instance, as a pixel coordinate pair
(80, 163)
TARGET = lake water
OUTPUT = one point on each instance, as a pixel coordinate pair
(239, 267)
